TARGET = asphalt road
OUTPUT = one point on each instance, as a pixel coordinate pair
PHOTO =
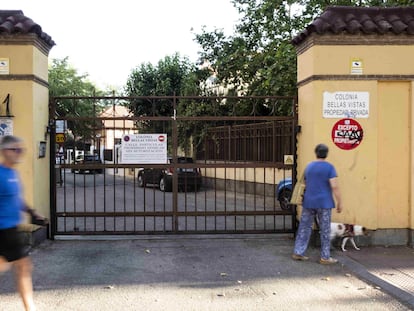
(106, 193)
(191, 273)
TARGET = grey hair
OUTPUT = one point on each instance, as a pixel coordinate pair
(9, 140)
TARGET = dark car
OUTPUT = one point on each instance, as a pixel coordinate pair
(284, 193)
(88, 159)
(188, 178)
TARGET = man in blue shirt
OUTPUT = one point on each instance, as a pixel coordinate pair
(321, 182)
(13, 250)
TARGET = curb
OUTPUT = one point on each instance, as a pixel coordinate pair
(364, 274)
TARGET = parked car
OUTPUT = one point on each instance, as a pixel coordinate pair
(188, 178)
(88, 159)
(284, 193)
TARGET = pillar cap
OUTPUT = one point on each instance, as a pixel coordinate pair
(14, 22)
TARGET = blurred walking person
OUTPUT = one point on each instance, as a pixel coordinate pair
(13, 249)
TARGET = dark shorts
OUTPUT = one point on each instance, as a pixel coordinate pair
(13, 244)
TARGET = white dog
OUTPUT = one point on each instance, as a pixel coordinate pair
(346, 232)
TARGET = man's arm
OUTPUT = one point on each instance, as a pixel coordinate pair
(337, 193)
(35, 218)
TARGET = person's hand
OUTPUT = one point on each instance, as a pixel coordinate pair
(339, 208)
(37, 219)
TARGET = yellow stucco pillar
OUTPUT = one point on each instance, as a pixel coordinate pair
(24, 50)
(361, 74)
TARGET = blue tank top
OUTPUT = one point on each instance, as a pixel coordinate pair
(11, 203)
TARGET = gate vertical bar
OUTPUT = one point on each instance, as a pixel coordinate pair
(52, 170)
(295, 131)
(175, 177)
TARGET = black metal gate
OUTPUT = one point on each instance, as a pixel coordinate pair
(226, 157)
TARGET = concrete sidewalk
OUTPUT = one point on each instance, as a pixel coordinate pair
(391, 268)
(220, 272)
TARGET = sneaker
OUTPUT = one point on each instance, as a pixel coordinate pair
(328, 261)
(299, 257)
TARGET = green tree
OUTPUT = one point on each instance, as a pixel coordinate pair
(64, 80)
(172, 76)
(259, 59)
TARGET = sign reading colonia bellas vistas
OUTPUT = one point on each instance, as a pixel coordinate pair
(144, 149)
(345, 105)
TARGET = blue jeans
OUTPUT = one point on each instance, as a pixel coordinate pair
(305, 230)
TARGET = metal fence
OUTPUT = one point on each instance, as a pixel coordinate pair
(263, 142)
(240, 156)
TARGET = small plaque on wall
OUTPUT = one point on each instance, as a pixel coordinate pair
(357, 66)
(4, 66)
(6, 126)
(42, 149)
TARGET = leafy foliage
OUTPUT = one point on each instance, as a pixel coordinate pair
(171, 76)
(259, 59)
(64, 80)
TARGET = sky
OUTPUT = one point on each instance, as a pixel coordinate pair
(107, 39)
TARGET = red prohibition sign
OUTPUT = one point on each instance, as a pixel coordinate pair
(347, 134)
(161, 138)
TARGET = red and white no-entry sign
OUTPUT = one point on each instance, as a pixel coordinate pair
(347, 134)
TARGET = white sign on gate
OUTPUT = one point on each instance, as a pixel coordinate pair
(61, 126)
(345, 105)
(144, 149)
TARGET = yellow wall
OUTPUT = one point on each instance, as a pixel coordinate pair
(393, 154)
(41, 166)
(375, 177)
(357, 167)
(411, 184)
(268, 175)
(29, 107)
(335, 60)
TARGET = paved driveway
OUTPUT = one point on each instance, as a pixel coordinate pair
(98, 193)
(191, 273)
